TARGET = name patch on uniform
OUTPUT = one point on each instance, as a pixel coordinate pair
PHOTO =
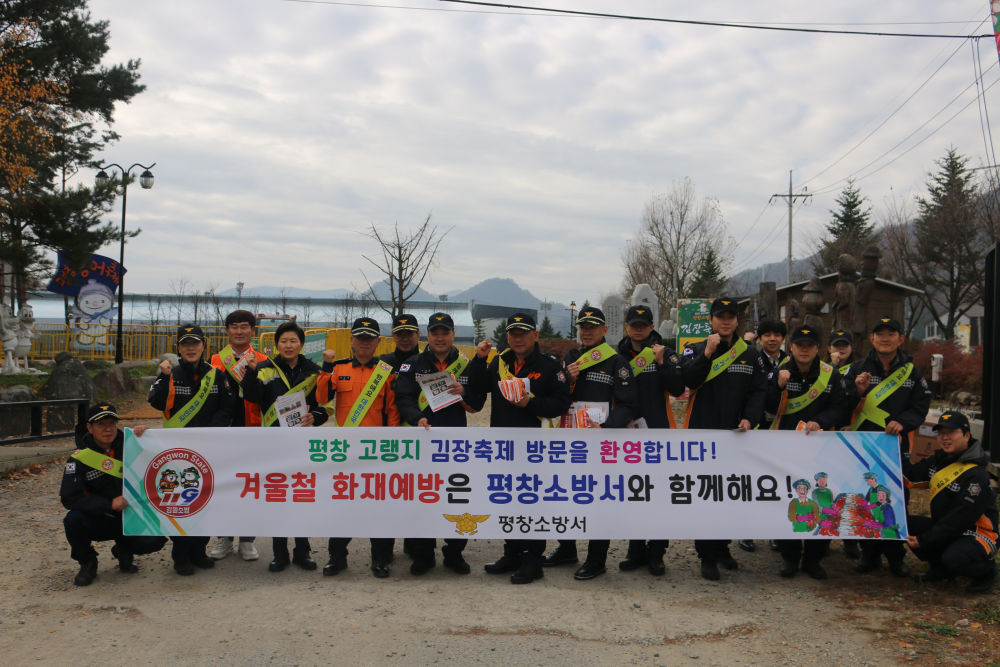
(344, 377)
(70, 468)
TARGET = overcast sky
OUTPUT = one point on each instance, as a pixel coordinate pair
(280, 129)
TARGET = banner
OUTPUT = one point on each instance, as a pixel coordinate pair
(491, 483)
(314, 347)
(692, 321)
(93, 287)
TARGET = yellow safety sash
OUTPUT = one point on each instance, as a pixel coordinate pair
(229, 359)
(456, 369)
(505, 374)
(306, 386)
(943, 478)
(869, 410)
(364, 402)
(99, 461)
(194, 406)
(792, 405)
(844, 369)
(600, 353)
(724, 362)
(642, 360)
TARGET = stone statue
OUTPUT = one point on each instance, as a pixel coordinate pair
(845, 305)
(869, 269)
(614, 314)
(25, 334)
(792, 318)
(813, 301)
(8, 334)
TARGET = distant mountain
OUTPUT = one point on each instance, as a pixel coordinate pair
(500, 292)
(776, 272)
(381, 291)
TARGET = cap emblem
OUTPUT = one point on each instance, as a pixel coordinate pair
(885, 319)
(518, 319)
(189, 329)
(365, 323)
(640, 312)
(726, 303)
(439, 318)
(805, 331)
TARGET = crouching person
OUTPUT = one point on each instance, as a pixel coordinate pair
(960, 536)
(92, 492)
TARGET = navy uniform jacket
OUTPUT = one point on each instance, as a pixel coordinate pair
(655, 381)
(219, 406)
(737, 393)
(408, 391)
(831, 409)
(265, 392)
(88, 489)
(908, 405)
(609, 381)
(548, 383)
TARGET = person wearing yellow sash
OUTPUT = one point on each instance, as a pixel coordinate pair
(657, 372)
(192, 394)
(289, 372)
(240, 328)
(597, 374)
(406, 336)
(959, 538)
(439, 355)
(893, 397)
(548, 398)
(840, 354)
(346, 381)
(728, 390)
(91, 490)
(807, 390)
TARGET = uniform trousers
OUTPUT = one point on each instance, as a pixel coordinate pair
(279, 545)
(422, 548)
(528, 552)
(82, 529)
(187, 548)
(710, 550)
(810, 552)
(381, 547)
(965, 556)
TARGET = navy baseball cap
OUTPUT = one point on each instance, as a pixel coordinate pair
(186, 331)
(805, 333)
(842, 335)
(639, 314)
(724, 305)
(440, 320)
(405, 322)
(99, 411)
(890, 322)
(953, 419)
(591, 316)
(520, 322)
(365, 326)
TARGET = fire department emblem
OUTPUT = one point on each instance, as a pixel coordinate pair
(179, 496)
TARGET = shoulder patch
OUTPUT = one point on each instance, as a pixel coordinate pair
(923, 381)
(974, 489)
(561, 376)
(70, 467)
(623, 372)
(404, 368)
(688, 352)
(673, 358)
(770, 375)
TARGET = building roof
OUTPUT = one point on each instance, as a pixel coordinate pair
(803, 283)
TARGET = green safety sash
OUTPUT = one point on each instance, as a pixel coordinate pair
(505, 374)
(380, 374)
(456, 369)
(869, 410)
(942, 478)
(792, 405)
(229, 359)
(722, 363)
(844, 369)
(99, 461)
(306, 386)
(642, 360)
(600, 353)
(194, 406)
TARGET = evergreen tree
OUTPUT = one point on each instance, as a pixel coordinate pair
(850, 231)
(479, 327)
(708, 281)
(500, 336)
(546, 330)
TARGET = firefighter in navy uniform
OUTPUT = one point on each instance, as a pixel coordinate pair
(192, 379)
(728, 390)
(93, 495)
(597, 374)
(790, 397)
(657, 372)
(960, 536)
(893, 397)
(840, 355)
(406, 336)
(439, 355)
(550, 398)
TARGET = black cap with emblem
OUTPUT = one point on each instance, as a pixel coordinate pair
(440, 320)
(638, 314)
(841, 335)
(186, 331)
(591, 316)
(405, 322)
(99, 411)
(724, 305)
(953, 419)
(805, 333)
(887, 322)
(365, 326)
(520, 322)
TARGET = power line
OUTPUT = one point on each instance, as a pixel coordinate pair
(753, 225)
(719, 24)
(752, 254)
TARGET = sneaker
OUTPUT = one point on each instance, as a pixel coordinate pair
(222, 548)
(247, 551)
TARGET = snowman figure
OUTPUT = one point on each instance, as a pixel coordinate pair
(25, 334)
(94, 311)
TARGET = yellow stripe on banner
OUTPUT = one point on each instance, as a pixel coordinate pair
(177, 526)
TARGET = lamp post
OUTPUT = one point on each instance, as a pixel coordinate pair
(146, 181)
(239, 294)
(572, 314)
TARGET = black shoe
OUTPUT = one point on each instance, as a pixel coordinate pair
(87, 573)
(656, 566)
(851, 549)
(866, 564)
(899, 568)
(126, 561)
(422, 566)
(710, 570)
(633, 562)
(814, 570)
(503, 565)
(455, 562)
(527, 574)
(788, 569)
(931, 575)
(279, 563)
(380, 568)
(984, 584)
(774, 546)
(589, 571)
(305, 561)
(203, 561)
(727, 561)
(335, 566)
(746, 545)
(183, 568)
(561, 557)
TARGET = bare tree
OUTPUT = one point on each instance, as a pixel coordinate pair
(898, 247)
(180, 288)
(284, 295)
(406, 260)
(306, 309)
(671, 240)
(253, 302)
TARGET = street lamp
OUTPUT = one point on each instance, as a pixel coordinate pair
(239, 294)
(146, 181)
(572, 314)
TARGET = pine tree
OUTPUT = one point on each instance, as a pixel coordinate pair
(547, 330)
(479, 328)
(500, 336)
(850, 231)
(708, 281)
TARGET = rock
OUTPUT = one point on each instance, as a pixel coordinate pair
(142, 385)
(43, 365)
(116, 381)
(964, 623)
(16, 422)
(69, 379)
(63, 357)
(95, 364)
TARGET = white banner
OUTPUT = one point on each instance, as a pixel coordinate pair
(513, 483)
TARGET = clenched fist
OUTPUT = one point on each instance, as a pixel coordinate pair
(483, 349)
(329, 356)
(711, 344)
(783, 377)
(165, 367)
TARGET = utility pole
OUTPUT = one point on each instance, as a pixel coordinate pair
(791, 202)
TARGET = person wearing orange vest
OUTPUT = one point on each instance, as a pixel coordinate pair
(240, 328)
(344, 381)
